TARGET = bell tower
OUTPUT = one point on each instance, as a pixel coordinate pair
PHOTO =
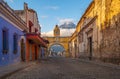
(56, 31)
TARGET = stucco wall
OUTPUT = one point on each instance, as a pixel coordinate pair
(10, 57)
(106, 30)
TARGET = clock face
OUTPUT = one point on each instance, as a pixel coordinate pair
(57, 32)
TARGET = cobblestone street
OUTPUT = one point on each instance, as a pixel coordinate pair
(59, 39)
(65, 68)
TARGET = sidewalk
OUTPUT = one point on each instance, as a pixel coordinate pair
(10, 69)
(100, 63)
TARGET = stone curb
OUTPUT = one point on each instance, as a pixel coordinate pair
(101, 63)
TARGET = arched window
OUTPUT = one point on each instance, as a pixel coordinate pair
(15, 43)
(5, 40)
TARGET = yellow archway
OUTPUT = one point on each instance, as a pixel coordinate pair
(55, 44)
(57, 39)
(61, 41)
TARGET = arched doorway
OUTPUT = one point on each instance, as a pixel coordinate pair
(22, 50)
(57, 50)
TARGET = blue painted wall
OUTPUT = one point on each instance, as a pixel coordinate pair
(10, 57)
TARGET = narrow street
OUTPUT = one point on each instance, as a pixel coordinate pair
(66, 68)
(34, 34)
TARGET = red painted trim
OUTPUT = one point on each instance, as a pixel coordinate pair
(30, 23)
(36, 37)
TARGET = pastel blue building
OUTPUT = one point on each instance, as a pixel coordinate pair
(12, 39)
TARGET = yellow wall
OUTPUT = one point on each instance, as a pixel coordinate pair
(106, 13)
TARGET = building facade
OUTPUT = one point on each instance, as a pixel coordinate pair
(73, 45)
(12, 30)
(98, 31)
(33, 40)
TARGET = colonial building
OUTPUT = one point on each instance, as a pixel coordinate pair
(12, 38)
(73, 50)
(98, 31)
(33, 40)
(88, 35)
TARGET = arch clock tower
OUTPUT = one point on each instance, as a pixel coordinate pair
(56, 31)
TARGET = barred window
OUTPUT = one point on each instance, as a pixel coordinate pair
(5, 40)
(15, 44)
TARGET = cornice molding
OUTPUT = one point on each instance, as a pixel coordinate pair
(8, 13)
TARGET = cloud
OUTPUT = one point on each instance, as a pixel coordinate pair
(66, 32)
(48, 34)
(63, 33)
(11, 1)
(52, 7)
(44, 16)
(65, 20)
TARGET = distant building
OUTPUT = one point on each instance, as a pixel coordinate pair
(12, 39)
(34, 42)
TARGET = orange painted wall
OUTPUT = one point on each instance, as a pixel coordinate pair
(27, 50)
(33, 51)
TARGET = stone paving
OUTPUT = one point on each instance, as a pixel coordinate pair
(13, 68)
(66, 68)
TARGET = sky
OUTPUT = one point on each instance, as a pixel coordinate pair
(52, 12)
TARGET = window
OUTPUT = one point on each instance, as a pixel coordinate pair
(36, 30)
(5, 40)
(30, 28)
(15, 43)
